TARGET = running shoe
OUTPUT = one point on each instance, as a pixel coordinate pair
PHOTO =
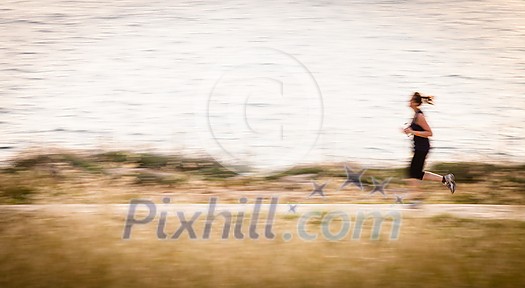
(450, 183)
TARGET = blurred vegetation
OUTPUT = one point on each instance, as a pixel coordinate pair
(297, 171)
(77, 161)
(158, 178)
(16, 194)
(113, 156)
(467, 172)
(31, 177)
(46, 249)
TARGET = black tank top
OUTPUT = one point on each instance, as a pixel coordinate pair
(420, 143)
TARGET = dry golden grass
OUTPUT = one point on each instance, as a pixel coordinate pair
(50, 249)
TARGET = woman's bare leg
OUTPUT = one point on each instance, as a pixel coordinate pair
(429, 176)
(415, 193)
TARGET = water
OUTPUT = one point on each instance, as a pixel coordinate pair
(131, 74)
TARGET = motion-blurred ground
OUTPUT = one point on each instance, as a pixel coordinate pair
(84, 248)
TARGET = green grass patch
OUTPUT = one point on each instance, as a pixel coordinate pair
(151, 160)
(83, 163)
(215, 173)
(465, 172)
(113, 157)
(30, 162)
(16, 194)
(297, 171)
(145, 178)
(74, 160)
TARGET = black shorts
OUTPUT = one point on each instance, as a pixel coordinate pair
(416, 166)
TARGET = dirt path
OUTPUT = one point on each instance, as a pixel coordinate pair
(474, 211)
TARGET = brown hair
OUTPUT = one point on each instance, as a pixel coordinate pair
(422, 99)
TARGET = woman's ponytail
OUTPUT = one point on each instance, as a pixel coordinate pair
(428, 99)
(423, 99)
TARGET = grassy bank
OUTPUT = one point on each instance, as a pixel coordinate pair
(117, 176)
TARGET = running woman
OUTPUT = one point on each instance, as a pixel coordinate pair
(420, 130)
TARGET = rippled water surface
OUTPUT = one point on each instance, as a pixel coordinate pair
(133, 74)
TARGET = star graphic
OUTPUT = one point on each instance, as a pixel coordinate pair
(318, 189)
(399, 195)
(353, 178)
(399, 199)
(379, 187)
